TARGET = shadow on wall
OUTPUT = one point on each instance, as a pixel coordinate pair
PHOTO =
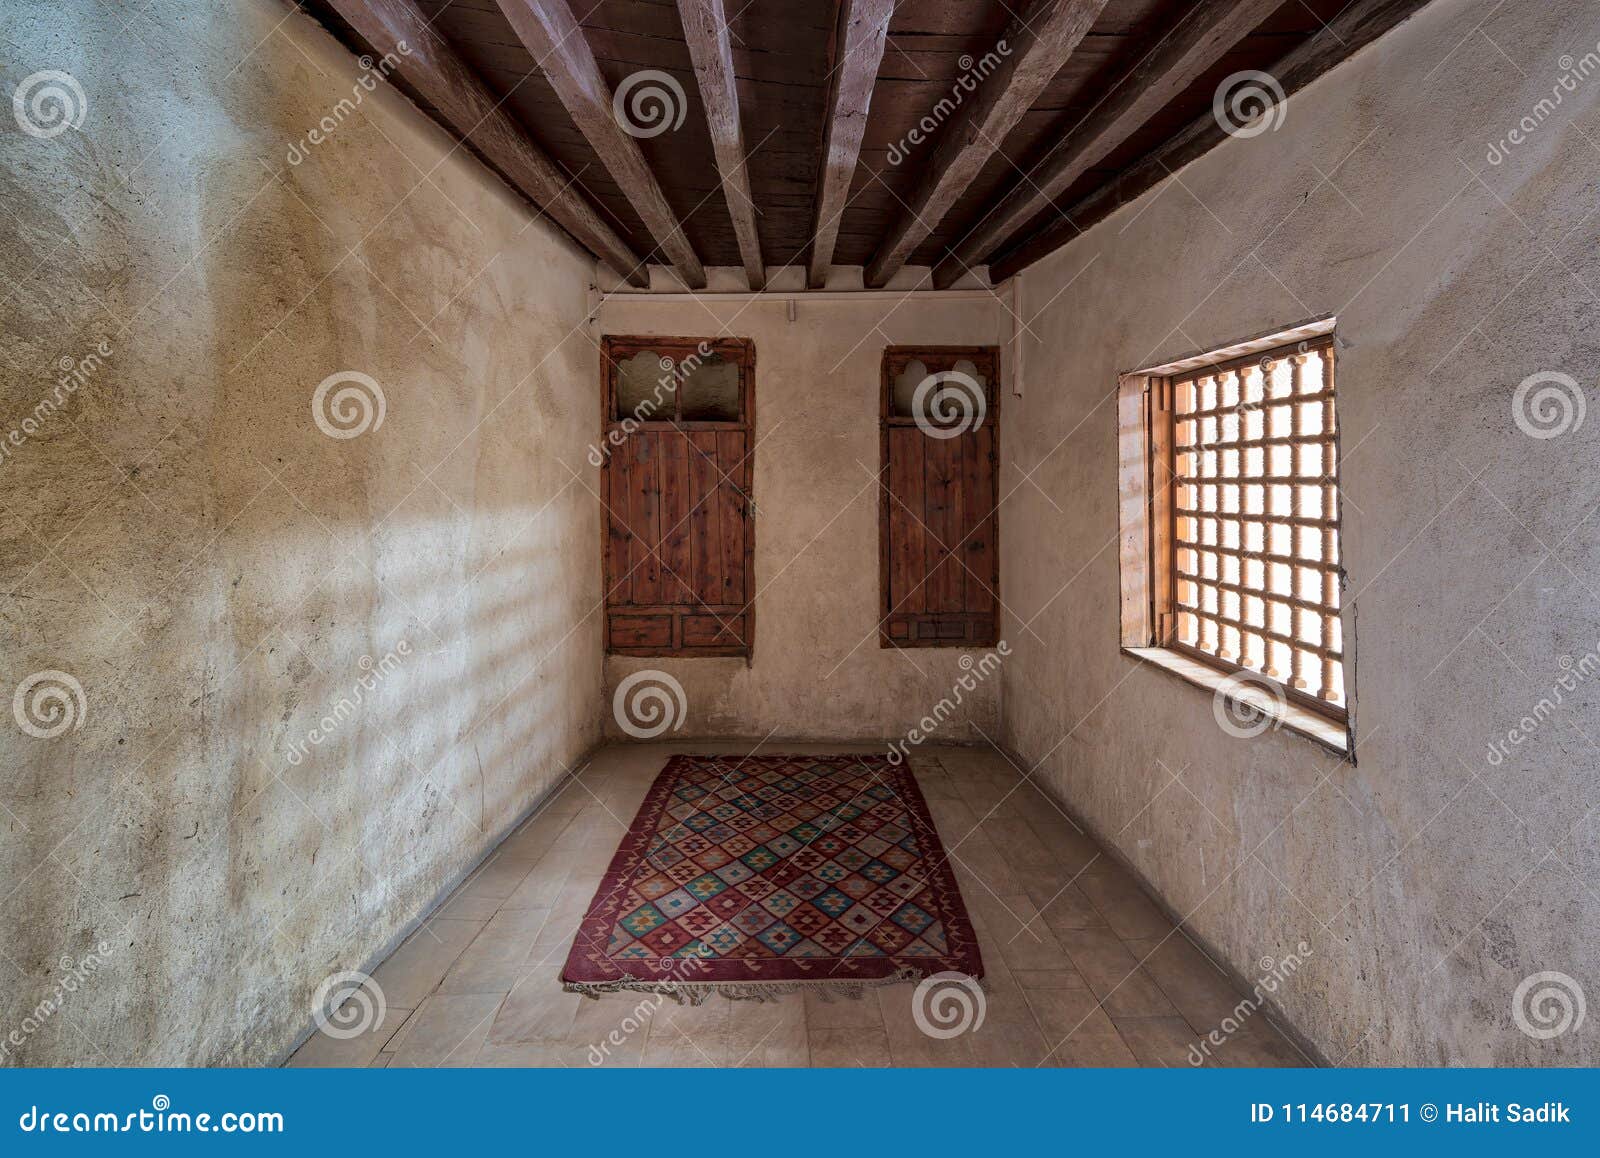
(300, 797)
(301, 542)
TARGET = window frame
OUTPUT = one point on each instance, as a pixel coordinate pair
(1149, 537)
(618, 348)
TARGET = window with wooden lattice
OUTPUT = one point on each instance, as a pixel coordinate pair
(1230, 520)
(676, 485)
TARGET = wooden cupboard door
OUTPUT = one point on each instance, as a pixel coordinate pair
(679, 526)
(939, 525)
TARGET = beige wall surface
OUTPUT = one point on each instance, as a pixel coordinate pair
(1429, 879)
(818, 671)
(319, 675)
(282, 672)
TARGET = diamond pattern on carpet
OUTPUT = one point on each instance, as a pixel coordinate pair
(776, 868)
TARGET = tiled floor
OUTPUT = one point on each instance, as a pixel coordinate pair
(1082, 969)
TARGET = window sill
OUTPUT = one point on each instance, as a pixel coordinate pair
(1274, 713)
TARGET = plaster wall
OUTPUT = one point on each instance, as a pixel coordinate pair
(818, 671)
(226, 581)
(1428, 878)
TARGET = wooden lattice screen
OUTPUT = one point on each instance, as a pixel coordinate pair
(1247, 573)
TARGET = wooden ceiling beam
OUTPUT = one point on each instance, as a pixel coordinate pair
(1200, 39)
(858, 43)
(1032, 51)
(550, 32)
(433, 68)
(1346, 34)
(705, 28)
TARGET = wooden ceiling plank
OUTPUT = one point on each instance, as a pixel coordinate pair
(557, 43)
(858, 46)
(1035, 48)
(705, 28)
(433, 68)
(1346, 34)
(1200, 39)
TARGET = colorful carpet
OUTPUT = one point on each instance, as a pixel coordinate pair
(760, 875)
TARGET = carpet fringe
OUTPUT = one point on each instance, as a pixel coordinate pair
(697, 992)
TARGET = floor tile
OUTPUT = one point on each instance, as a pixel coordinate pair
(1064, 906)
(1097, 1051)
(765, 1034)
(854, 1048)
(540, 888)
(447, 1030)
(536, 836)
(909, 1045)
(1020, 845)
(610, 1032)
(536, 1009)
(839, 1012)
(1130, 913)
(695, 1036)
(1197, 988)
(323, 1049)
(1064, 1012)
(1114, 974)
(1021, 935)
(416, 967)
(463, 907)
(977, 856)
(1160, 1041)
(1074, 849)
(497, 956)
(522, 1055)
(497, 877)
(1063, 978)
(1019, 1044)
(399, 1031)
(1258, 1044)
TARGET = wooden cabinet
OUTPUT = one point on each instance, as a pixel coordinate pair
(677, 484)
(938, 527)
